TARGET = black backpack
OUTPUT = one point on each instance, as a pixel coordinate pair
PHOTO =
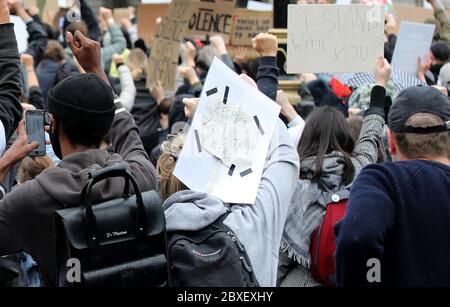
(210, 257)
(121, 242)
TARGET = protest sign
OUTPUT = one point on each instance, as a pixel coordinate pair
(163, 61)
(404, 12)
(413, 42)
(259, 6)
(334, 38)
(210, 18)
(147, 15)
(225, 149)
(247, 24)
(121, 13)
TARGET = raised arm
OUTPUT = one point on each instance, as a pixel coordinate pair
(35, 96)
(370, 138)
(10, 78)
(128, 89)
(118, 42)
(38, 36)
(267, 77)
(124, 134)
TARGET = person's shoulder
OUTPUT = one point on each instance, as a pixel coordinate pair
(405, 171)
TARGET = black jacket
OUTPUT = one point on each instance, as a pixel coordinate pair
(10, 80)
(37, 41)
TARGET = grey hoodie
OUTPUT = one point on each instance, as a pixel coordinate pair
(258, 226)
(27, 213)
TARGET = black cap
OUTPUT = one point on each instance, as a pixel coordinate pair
(84, 100)
(419, 99)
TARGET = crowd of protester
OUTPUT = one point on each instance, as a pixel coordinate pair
(387, 152)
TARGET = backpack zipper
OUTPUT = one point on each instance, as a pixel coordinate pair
(242, 249)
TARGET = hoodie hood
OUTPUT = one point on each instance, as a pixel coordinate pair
(65, 182)
(191, 211)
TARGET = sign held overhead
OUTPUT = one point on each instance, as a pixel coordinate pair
(334, 38)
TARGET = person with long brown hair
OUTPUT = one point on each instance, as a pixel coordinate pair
(329, 162)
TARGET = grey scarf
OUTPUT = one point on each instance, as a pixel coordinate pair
(308, 205)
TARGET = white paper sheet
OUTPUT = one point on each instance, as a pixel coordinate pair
(414, 41)
(199, 169)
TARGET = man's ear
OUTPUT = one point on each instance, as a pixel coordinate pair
(53, 124)
(392, 143)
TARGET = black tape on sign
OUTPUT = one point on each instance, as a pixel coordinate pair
(225, 97)
(211, 91)
(258, 124)
(246, 172)
(231, 170)
(197, 138)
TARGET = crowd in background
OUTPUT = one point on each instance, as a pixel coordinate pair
(387, 151)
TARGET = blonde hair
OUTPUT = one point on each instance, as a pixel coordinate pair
(137, 63)
(30, 168)
(170, 151)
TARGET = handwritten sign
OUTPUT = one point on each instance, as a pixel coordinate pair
(247, 24)
(229, 134)
(210, 18)
(121, 13)
(164, 55)
(414, 41)
(147, 15)
(226, 147)
(334, 38)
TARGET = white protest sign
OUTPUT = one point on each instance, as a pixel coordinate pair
(334, 38)
(413, 42)
(226, 147)
(20, 30)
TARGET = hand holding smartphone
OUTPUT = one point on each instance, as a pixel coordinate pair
(34, 123)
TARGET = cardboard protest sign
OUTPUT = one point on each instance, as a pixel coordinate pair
(334, 38)
(210, 18)
(147, 15)
(404, 12)
(413, 42)
(225, 149)
(121, 13)
(247, 24)
(164, 55)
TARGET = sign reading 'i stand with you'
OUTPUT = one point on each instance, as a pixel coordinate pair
(334, 38)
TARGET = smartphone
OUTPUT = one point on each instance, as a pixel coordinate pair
(34, 123)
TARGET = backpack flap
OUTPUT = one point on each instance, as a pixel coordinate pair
(117, 248)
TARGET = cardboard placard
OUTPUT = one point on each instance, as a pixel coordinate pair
(146, 16)
(334, 38)
(163, 61)
(247, 24)
(414, 41)
(404, 12)
(211, 18)
(121, 13)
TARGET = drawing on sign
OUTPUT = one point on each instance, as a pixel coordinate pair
(228, 133)
(225, 150)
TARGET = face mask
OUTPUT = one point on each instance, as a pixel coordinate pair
(54, 139)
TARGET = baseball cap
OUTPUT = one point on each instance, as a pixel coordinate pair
(419, 99)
